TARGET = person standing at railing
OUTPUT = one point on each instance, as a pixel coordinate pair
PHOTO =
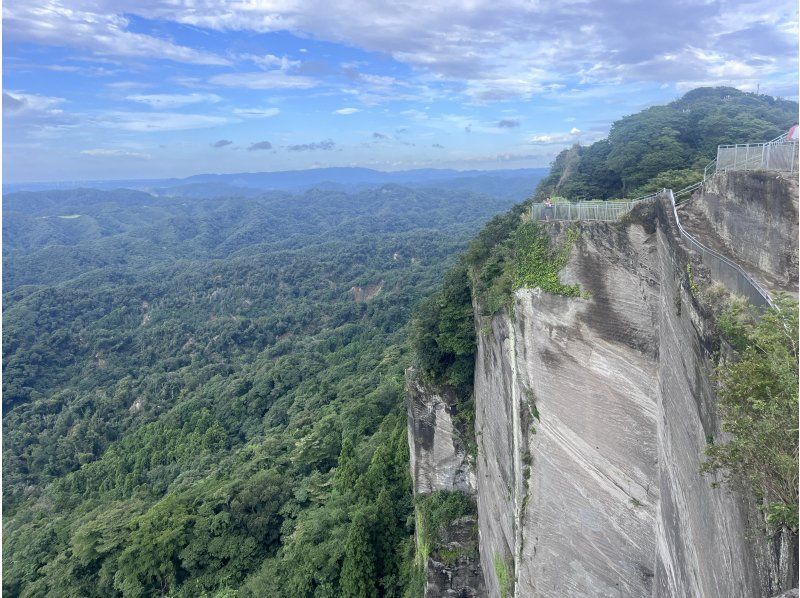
(548, 209)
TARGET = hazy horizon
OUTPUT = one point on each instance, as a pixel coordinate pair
(290, 170)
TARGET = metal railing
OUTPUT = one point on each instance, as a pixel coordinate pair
(722, 269)
(587, 210)
(779, 155)
(712, 167)
(604, 210)
(687, 191)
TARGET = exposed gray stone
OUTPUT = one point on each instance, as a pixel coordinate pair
(602, 495)
(439, 459)
(592, 416)
(752, 217)
(459, 577)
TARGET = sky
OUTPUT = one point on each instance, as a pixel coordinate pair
(124, 89)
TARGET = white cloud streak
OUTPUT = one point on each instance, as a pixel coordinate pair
(263, 80)
(168, 101)
(98, 27)
(150, 122)
(115, 153)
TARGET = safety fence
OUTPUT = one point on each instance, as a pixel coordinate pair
(586, 210)
(722, 269)
(779, 155)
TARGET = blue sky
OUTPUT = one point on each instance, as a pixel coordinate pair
(111, 89)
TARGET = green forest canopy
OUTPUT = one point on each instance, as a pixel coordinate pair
(666, 146)
(205, 397)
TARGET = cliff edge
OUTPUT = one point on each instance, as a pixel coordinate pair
(593, 412)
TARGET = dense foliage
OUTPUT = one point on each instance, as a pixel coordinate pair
(435, 513)
(758, 399)
(667, 146)
(444, 332)
(510, 253)
(205, 397)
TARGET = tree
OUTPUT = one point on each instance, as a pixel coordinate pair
(346, 476)
(358, 569)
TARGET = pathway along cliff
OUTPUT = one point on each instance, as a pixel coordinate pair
(592, 414)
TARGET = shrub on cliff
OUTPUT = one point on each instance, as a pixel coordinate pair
(444, 333)
(758, 400)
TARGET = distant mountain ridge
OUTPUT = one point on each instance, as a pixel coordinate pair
(253, 183)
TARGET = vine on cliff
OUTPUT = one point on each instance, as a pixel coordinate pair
(537, 264)
(524, 259)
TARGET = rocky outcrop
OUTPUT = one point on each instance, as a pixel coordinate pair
(592, 416)
(456, 571)
(567, 487)
(752, 217)
(440, 462)
(362, 294)
(439, 459)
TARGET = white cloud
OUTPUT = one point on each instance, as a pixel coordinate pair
(167, 101)
(415, 114)
(263, 80)
(115, 153)
(346, 111)
(256, 112)
(147, 122)
(499, 48)
(127, 85)
(270, 61)
(573, 136)
(19, 103)
(99, 27)
(491, 49)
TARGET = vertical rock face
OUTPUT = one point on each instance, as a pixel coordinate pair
(575, 465)
(440, 462)
(704, 542)
(592, 416)
(438, 455)
(752, 217)
(496, 468)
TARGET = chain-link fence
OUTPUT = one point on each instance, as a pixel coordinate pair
(600, 210)
(779, 156)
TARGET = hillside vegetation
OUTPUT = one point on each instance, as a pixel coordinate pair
(205, 397)
(666, 146)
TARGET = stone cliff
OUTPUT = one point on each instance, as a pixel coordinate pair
(440, 463)
(592, 415)
(752, 218)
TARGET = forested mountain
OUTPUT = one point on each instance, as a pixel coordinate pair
(667, 146)
(205, 397)
(249, 184)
